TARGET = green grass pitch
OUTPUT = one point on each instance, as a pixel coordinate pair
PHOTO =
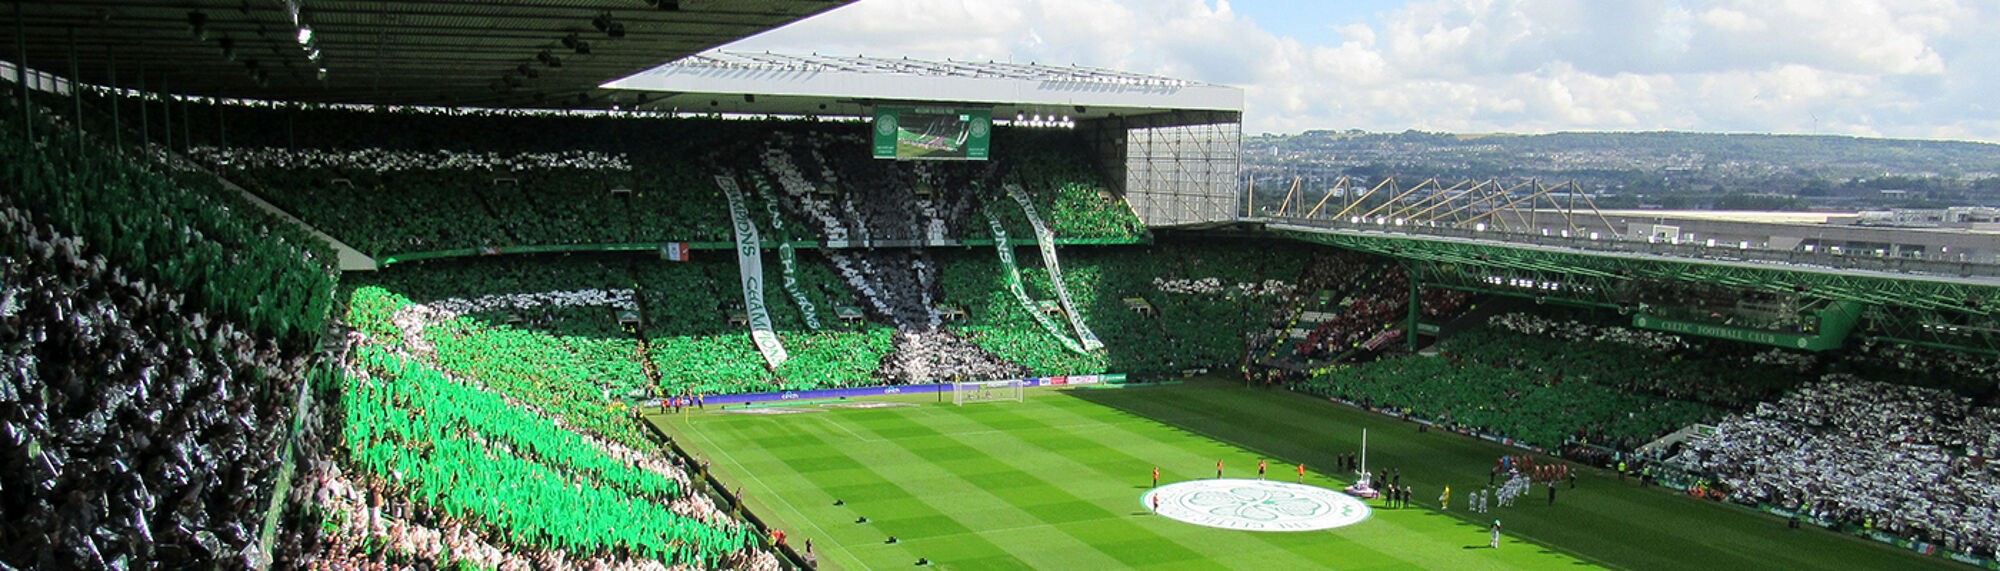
(1055, 483)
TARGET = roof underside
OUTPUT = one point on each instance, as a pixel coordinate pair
(471, 53)
(766, 83)
(1947, 311)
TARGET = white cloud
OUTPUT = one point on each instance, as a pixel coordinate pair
(1731, 21)
(1916, 68)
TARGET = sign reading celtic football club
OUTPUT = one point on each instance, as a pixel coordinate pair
(1256, 505)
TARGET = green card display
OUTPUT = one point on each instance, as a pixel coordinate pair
(933, 133)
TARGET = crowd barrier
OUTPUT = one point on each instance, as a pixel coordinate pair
(730, 245)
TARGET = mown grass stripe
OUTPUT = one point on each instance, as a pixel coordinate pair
(983, 468)
(894, 508)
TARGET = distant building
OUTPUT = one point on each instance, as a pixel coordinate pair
(1968, 217)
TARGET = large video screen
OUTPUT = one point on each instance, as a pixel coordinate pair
(933, 133)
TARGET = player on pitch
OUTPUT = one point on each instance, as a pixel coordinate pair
(1218, 469)
(1302, 473)
(1260, 469)
(1495, 543)
(1156, 476)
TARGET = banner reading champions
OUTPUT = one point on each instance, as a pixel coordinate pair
(933, 133)
(750, 262)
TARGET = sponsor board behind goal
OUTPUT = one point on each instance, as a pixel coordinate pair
(901, 389)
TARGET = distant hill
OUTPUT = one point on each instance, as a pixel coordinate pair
(1673, 169)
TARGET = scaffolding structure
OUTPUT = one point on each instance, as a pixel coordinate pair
(1184, 174)
(1522, 207)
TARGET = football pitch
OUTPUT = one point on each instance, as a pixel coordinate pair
(1056, 482)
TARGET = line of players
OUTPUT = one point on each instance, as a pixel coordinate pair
(1522, 474)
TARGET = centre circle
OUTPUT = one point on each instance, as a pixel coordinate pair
(1255, 505)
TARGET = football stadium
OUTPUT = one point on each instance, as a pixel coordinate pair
(558, 285)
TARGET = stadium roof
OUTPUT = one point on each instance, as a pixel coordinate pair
(766, 83)
(486, 53)
(1760, 217)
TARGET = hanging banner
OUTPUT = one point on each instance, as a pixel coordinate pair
(1046, 240)
(1013, 275)
(1758, 336)
(750, 262)
(788, 256)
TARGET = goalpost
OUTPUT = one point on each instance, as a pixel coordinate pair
(987, 391)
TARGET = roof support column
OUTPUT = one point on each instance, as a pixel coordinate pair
(75, 94)
(166, 116)
(1416, 305)
(117, 123)
(145, 120)
(21, 72)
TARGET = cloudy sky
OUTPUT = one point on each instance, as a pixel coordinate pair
(1897, 68)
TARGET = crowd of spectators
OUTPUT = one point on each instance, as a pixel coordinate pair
(1535, 391)
(1911, 461)
(566, 375)
(1924, 366)
(481, 318)
(438, 451)
(139, 430)
(1725, 374)
(1373, 298)
(387, 203)
(1214, 286)
(1580, 332)
(151, 326)
(174, 228)
(1359, 298)
(407, 181)
(1203, 298)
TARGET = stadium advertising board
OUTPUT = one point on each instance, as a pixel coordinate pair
(933, 133)
(891, 390)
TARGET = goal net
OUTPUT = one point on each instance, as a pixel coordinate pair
(987, 391)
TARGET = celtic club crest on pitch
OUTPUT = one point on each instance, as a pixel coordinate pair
(1256, 505)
